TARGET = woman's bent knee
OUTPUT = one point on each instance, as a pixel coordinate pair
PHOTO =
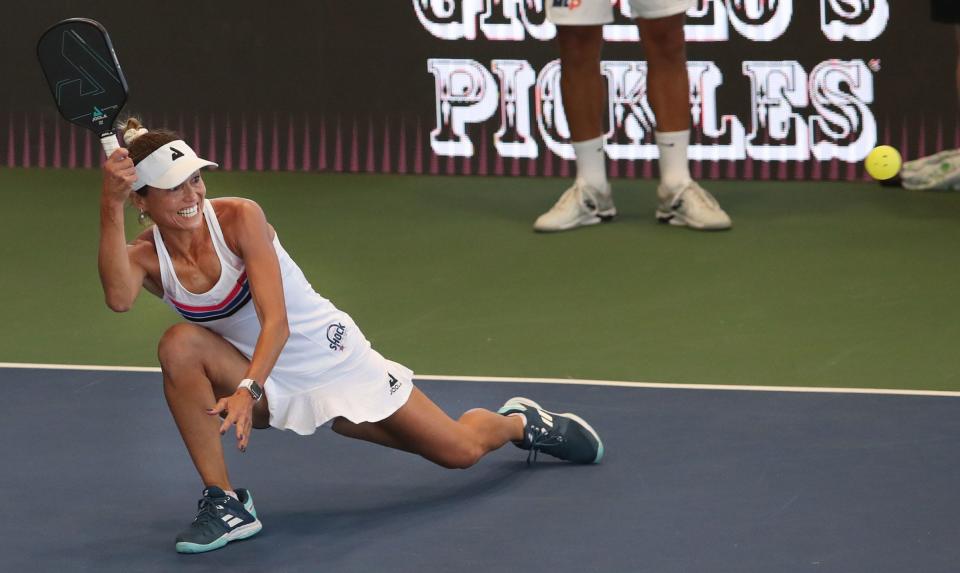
(181, 343)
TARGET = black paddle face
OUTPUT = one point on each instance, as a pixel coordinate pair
(83, 73)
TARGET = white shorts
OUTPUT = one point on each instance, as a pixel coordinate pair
(366, 388)
(595, 12)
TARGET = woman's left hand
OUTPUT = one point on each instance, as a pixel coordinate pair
(239, 410)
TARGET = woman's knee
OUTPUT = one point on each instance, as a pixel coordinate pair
(180, 345)
(459, 458)
(466, 452)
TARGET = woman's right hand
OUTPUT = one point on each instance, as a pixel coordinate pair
(119, 175)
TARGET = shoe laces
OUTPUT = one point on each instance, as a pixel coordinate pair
(699, 194)
(206, 510)
(571, 195)
(542, 438)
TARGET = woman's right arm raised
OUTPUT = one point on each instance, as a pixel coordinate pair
(120, 274)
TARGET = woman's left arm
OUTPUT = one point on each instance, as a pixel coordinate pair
(255, 245)
(266, 287)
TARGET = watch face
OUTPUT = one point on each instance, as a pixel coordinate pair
(253, 387)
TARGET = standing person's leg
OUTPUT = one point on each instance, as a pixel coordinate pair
(580, 41)
(682, 201)
(584, 99)
(581, 83)
(668, 86)
(668, 91)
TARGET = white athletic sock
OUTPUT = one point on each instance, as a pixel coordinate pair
(232, 494)
(591, 162)
(523, 418)
(674, 171)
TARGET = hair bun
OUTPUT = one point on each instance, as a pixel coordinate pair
(133, 133)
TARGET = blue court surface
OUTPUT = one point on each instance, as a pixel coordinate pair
(95, 478)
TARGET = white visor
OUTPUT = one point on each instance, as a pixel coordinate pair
(169, 166)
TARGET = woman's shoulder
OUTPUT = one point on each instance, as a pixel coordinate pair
(231, 208)
(237, 216)
(229, 205)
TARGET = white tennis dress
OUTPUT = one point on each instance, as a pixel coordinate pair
(327, 367)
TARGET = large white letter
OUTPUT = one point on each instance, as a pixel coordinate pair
(534, 16)
(465, 93)
(859, 20)
(500, 21)
(513, 139)
(551, 121)
(724, 137)
(449, 19)
(631, 118)
(514, 19)
(844, 126)
(760, 20)
(778, 132)
(707, 22)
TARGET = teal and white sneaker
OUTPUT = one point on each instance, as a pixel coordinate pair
(691, 206)
(220, 520)
(564, 436)
(579, 206)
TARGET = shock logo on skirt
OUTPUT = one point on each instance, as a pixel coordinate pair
(569, 4)
(335, 333)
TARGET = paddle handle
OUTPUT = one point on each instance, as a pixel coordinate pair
(110, 143)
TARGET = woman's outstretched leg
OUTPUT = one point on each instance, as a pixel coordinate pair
(421, 427)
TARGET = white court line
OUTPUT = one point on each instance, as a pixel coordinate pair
(568, 381)
(79, 367)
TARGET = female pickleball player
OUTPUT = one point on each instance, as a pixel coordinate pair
(259, 347)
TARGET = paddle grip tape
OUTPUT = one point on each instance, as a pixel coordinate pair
(110, 143)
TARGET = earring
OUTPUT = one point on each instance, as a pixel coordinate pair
(142, 217)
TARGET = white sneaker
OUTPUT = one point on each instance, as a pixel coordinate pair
(930, 160)
(692, 206)
(578, 206)
(936, 172)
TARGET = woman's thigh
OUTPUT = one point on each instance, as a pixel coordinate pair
(222, 364)
(420, 426)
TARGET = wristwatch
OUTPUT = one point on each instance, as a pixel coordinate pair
(253, 387)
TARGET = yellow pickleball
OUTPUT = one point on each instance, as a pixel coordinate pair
(883, 162)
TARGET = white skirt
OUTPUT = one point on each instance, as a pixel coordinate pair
(366, 388)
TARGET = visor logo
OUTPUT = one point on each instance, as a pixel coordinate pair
(175, 154)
